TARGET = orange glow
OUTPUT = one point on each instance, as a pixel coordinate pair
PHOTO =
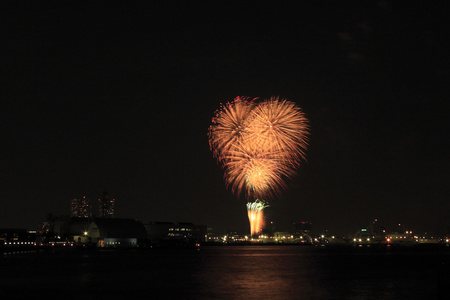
(281, 127)
(254, 173)
(256, 219)
(256, 216)
(229, 126)
(258, 145)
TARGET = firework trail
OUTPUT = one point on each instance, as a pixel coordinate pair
(256, 216)
(259, 146)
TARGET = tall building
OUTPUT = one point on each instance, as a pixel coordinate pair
(80, 208)
(106, 206)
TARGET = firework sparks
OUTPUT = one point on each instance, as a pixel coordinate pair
(280, 126)
(255, 173)
(229, 126)
(256, 216)
(259, 146)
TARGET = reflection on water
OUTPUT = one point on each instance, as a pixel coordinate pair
(261, 273)
(241, 272)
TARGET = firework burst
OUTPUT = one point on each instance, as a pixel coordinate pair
(280, 126)
(229, 126)
(259, 146)
(254, 172)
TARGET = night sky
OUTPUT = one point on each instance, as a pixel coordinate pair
(120, 95)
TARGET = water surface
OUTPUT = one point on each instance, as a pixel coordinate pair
(231, 272)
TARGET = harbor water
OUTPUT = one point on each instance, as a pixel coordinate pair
(228, 272)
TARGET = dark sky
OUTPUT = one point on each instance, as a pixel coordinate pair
(119, 96)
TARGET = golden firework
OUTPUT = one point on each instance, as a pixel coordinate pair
(280, 126)
(259, 146)
(229, 126)
(254, 172)
(256, 216)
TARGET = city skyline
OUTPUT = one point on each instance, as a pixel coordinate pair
(121, 96)
(82, 208)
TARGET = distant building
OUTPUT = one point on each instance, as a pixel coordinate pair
(158, 231)
(106, 206)
(211, 236)
(80, 208)
(65, 228)
(15, 237)
(378, 232)
(363, 236)
(115, 233)
(78, 229)
(302, 227)
(14, 234)
(283, 237)
(402, 236)
(302, 232)
(185, 230)
(169, 232)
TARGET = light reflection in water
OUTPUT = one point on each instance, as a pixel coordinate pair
(231, 272)
(296, 272)
(261, 272)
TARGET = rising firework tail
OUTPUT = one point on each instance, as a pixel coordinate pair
(256, 216)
